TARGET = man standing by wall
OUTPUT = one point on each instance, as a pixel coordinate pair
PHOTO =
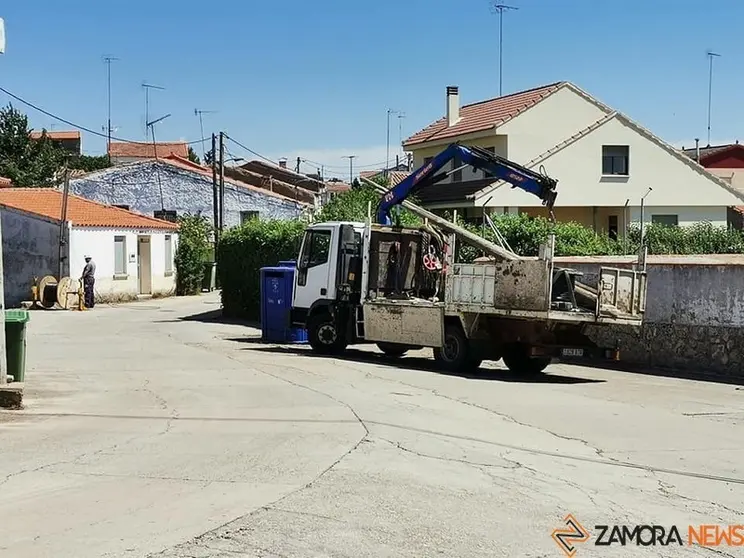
(89, 281)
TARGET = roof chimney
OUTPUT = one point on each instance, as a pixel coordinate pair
(283, 163)
(453, 105)
(697, 149)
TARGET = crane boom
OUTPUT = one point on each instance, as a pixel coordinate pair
(502, 169)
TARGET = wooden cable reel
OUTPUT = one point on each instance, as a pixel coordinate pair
(63, 293)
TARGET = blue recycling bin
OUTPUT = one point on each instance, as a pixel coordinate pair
(276, 302)
(287, 263)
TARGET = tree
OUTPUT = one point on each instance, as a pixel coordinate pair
(27, 162)
(209, 158)
(193, 157)
(88, 163)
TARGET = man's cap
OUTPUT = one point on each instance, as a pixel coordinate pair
(87, 257)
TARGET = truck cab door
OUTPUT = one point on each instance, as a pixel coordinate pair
(313, 280)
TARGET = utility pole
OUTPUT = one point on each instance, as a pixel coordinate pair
(711, 56)
(297, 167)
(146, 86)
(351, 167)
(498, 8)
(387, 152)
(401, 116)
(108, 60)
(199, 113)
(215, 195)
(222, 181)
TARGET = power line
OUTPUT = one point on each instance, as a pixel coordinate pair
(76, 126)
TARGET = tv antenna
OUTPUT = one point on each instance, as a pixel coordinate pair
(147, 86)
(199, 113)
(498, 8)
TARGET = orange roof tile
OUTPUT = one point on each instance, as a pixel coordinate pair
(47, 202)
(147, 150)
(484, 115)
(57, 135)
(396, 177)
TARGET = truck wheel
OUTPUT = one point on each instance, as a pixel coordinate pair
(517, 360)
(454, 355)
(324, 334)
(392, 349)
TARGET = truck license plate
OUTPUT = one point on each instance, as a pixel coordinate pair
(573, 352)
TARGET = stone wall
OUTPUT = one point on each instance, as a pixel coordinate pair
(139, 186)
(694, 317)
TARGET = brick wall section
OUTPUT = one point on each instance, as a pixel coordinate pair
(694, 314)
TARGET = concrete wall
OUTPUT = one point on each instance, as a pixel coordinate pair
(694, 316)
(185, 192)
(30, 249)
(110, 287)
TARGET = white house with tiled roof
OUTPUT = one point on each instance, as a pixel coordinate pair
(133, 253)
(603, 161)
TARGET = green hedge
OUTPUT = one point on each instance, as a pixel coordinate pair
(243, 251)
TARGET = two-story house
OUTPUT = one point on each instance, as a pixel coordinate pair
(68, 140)
(726, 162)
(604, 162)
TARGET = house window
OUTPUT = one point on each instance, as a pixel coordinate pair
(247, 216)
(665, 220)
(120, 255)
(612, 226)
(615, 160)
(168, 254)
(166, 215)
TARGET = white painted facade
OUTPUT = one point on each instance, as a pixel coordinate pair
(678, 185)
(147, 267)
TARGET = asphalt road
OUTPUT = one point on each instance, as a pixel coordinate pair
(147, 434)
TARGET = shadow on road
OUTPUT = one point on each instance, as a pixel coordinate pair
(414, 363)
(212, 316)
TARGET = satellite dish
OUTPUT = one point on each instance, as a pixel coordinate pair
(2, 36)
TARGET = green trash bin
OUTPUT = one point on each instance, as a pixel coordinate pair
(15, 343)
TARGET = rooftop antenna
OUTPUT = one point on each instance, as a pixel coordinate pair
(401, 116)
(147, 86)
(108, 60)
(711, 56)
(199, 113)
(498, 8)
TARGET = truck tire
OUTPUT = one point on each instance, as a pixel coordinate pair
(517, 360)
(455, 355)
(325, 335)
(392, 349)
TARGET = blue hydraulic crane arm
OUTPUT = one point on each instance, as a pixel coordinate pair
(502, 169)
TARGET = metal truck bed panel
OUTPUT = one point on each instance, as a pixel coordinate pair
(516, 285)
(416, 322)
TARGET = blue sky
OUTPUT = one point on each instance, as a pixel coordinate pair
(315, 79)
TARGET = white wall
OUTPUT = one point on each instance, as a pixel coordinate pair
(550, 122)
(99, 243)
(578, 169)
(717, 216)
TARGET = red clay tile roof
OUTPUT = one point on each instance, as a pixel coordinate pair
(47, 202)
(283, 174)
(396, 177)
(147, 150)
(710, 150)
(57, 135)
(5, 182)
(484, 115)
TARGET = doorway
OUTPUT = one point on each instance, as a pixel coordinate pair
(144, 266)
